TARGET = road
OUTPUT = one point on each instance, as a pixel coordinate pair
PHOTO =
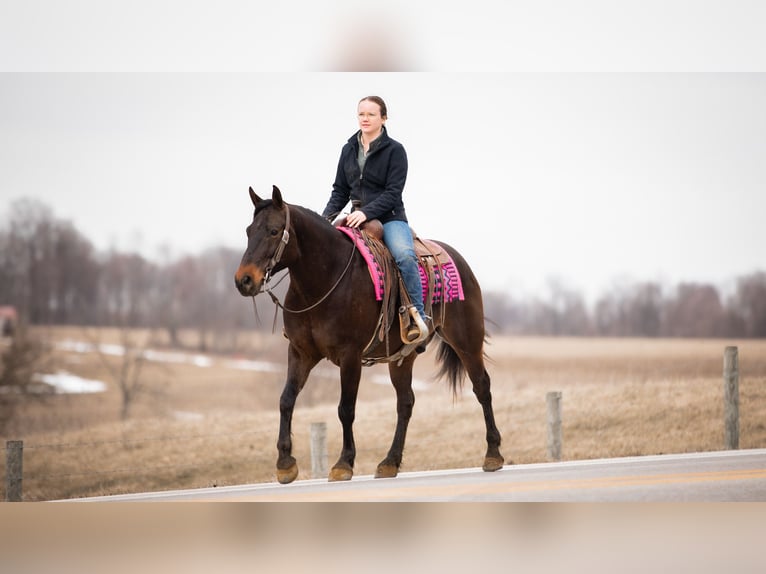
(713, 476)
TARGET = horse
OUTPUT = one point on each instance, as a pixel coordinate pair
(330, 311)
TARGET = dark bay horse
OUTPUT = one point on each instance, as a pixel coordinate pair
(330, 311)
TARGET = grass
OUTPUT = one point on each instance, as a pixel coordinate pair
(216, 425)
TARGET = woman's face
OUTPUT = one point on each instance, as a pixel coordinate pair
(370, 120)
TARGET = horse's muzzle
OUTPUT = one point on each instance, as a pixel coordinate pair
(248, 280)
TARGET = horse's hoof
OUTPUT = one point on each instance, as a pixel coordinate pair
(339, 473)
(491, 464)
(386, 471)
(287, 475)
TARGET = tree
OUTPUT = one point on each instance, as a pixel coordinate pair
(20, 360)
(503, 313)
(47, 268)
(611, 314)
(25, 245)
(76, 275)
(694, 311)
(749, 303)
(630, 310)
(645, 310)
(126, 290)
(564, 311)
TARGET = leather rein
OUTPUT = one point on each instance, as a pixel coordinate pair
(275, 260)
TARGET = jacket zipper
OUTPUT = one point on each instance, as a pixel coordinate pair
(361, 174)
(361, 182)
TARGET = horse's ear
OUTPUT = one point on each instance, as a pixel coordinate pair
(254, 197)
(276, 197)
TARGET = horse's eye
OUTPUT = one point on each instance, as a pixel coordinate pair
(274, 232)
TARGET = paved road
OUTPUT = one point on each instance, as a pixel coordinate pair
(715, 476)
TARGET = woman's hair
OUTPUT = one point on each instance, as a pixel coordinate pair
(378, 100)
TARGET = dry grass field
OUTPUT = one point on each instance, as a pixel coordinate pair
(208, 420)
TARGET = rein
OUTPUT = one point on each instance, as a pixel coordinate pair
(278, 255)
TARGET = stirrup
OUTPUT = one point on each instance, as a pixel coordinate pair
(417, 332)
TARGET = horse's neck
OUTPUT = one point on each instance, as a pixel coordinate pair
(323, 253)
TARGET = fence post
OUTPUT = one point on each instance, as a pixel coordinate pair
(731, 398)
(14, 450)
(553, 401)
(318, 450)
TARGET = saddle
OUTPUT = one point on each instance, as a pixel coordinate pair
(424, 248)
(439, 279)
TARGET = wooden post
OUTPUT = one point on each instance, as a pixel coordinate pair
(13, 470)
(731, 398)
(318, 450)
(553, 401)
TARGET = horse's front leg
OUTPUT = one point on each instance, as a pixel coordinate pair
(350, 373)
(298, 369)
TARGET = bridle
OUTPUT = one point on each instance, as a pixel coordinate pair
(278, 256)
(281, 247)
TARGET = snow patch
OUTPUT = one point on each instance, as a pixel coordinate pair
(198, 360)
(187, 416)
(67, 383)
(417, 384)
(247, 365)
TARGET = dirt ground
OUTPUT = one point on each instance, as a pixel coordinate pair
(211, 419)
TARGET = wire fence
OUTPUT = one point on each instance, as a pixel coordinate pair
(127, 470)
(213, 461)
(136, 441)
(72, 469)
(48, 482)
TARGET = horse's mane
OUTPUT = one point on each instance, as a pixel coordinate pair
(263, 204)
(312, 214)
(308, 213)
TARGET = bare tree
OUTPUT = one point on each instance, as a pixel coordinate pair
(199, 296)
(125, 290)
(645, 307)
(126, 370)
(127, 294)
(50, 273)
(504, 313)
(694, 311)
(630, 310)
(21, 358)
(75, 276)
(563, 312)
(26, 249)
(47, 268)
(749, 303)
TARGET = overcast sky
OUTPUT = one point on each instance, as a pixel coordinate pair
(589, 178)
(535, 170)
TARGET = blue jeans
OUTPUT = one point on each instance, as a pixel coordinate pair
(398, 238)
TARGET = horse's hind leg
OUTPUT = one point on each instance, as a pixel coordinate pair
(298, 369)
(493, 460)
(401, 377)
(471, 355)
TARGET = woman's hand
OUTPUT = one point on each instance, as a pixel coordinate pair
(356, 218)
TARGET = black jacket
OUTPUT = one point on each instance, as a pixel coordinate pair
(379, 187)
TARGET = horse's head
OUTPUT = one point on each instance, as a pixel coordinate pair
(267, 236)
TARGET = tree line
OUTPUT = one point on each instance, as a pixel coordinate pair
(52, 274)
(638, 309)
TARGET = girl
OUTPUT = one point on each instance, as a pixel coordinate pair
(372, 171)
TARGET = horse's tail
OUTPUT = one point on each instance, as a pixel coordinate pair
(451, 367)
